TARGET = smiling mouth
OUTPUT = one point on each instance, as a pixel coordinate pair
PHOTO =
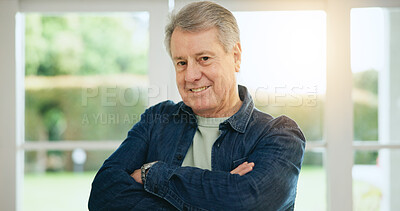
(199, 89)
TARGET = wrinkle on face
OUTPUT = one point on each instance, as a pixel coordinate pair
(205, 72)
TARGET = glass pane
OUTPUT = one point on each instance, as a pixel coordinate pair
(366, 63)
(284, 64)
(60, 179)
(375, 178)
(375, 40)
(85, 75)
(311, 188)
(375, 44)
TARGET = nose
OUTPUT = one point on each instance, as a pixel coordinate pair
(193, 72)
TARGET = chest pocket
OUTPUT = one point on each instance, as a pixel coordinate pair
(237, 162)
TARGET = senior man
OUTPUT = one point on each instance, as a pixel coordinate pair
(212, 151)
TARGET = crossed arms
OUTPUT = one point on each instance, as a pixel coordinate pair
(267, 184)
(242, 169)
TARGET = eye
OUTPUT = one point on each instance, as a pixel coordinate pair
(205, 58)
(181, 63)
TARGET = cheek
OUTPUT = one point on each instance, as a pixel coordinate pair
(180, 82)
(179, 79)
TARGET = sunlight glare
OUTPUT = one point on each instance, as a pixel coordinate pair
(285, 49)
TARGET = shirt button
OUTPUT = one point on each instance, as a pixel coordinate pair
(179, 157)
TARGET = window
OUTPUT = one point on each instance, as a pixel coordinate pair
(85, 81)
(374, 43)
(86, 75)
(283, 66)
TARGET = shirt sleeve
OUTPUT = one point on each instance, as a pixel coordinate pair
(113, 188)
(271, 185)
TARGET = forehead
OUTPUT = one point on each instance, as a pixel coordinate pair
(185, 43)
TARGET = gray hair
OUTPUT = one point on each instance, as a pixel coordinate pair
(204, 15)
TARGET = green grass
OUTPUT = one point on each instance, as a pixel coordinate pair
(311, 189)
(57, 191)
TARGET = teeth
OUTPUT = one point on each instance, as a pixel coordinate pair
(199, 89)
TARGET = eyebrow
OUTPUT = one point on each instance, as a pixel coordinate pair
(204, 52)
(197, 54)
(178, 58)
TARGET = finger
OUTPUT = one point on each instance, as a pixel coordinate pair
(239, 168)
(243, 168)
(246, 170)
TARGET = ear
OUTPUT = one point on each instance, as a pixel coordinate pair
(237, 56)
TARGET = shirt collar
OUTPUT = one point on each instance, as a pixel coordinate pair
(240, 119)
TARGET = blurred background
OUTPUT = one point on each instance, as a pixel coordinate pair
(87, 77)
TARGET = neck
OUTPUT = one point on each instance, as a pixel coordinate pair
(224, 111)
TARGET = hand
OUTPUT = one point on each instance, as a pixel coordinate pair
(243, 168)
(137, 176)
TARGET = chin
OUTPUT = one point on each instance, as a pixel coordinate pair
(195, 105)
(200, 108)
(203, 103)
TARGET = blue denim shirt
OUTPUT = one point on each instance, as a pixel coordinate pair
(165, 133)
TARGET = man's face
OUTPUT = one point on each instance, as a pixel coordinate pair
(205, 73)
